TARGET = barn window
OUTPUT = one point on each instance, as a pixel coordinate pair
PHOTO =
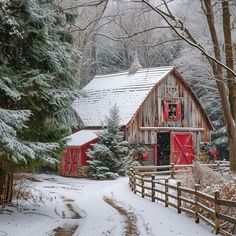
(172, 110)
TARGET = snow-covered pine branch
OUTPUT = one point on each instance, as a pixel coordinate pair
(38, 67)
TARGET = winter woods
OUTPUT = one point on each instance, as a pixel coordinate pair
(99, 86)
(38, 65)
(40, 76)
(188, 34)
(225, 80)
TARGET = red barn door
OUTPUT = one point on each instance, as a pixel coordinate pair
(182, 148)
(70, 162)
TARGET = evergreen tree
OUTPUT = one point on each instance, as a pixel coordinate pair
(221, 143)
(108, 156)
(37, 80)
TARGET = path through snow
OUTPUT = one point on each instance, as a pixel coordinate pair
(131, 228)
(94, 208)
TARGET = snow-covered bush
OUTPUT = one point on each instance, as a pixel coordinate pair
(23, 190)
(126, 163)
(200, 174)
(210, 181)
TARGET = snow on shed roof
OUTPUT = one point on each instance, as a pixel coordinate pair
(81, 137)
(127, 91)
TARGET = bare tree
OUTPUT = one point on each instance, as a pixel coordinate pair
(218, 66)
(89, 17)
(108, 32)
(133, 29)
(229, 57)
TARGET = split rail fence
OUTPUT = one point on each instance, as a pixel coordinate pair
(156, 183)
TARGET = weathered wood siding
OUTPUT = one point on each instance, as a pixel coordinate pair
(150, 114)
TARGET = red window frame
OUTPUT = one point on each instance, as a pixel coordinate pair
(166, 110)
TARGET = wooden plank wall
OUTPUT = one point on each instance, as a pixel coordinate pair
(151, 113)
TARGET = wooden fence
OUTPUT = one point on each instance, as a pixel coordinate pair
(221, 166)
(147, 182)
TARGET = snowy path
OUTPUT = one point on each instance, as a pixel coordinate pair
(94, 208)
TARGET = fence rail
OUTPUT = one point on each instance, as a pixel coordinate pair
(200, 205)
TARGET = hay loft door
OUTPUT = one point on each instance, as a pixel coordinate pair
(182, 148)
(70, 162)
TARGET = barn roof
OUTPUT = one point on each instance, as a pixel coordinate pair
(82, 137)
(125, 90)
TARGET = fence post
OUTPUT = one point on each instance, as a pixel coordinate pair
(133, 178)
(153, 186)
(178, 193)
(172, 170)
(130, 177)
(142, 184)
(196, 188)
(134, 181)
(166, 193)
(218, 166)
(217, 213)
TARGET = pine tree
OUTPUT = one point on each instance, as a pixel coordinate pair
(107, 158)
(37, 80)
(221, 143)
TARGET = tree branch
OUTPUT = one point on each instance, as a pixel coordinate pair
(83, 5)
(144, 31)
(190, 40)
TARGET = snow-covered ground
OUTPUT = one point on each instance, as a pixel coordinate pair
(93, 208)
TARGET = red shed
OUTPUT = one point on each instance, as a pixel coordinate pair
(157, 108)
(74, 159)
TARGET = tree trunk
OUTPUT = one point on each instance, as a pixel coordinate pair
(6, 179)
(229, 56)
(94, 56)
(2, 181)
(126, 55)
(218, 73)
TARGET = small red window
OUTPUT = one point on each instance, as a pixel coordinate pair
(172, 110)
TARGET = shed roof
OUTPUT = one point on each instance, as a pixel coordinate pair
(127, 91)
(82, 137)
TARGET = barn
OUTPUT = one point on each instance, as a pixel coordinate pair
(74, 159)
(157, 108)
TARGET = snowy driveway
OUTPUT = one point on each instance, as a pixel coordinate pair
(94, 208)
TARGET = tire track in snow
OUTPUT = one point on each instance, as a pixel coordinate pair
(74, 213)
(143, 226)
(67, 229)
(70, 209)
(131, 228)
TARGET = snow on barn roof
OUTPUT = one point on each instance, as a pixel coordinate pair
(81, 137)
(127, 91)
